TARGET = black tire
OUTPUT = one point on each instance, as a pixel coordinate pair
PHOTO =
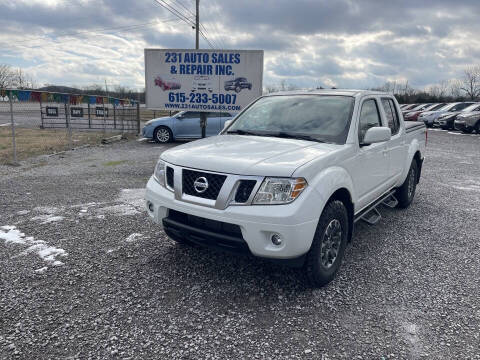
(477, 128)
(162, 134)
(320, 268)
(467, 130)
(406, 192)
(238, 89)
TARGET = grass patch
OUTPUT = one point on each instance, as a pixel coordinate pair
(114, 163)
(32, 142)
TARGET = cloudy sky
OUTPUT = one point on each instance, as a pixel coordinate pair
(342, 43)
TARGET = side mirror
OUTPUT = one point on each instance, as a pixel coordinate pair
(376, 135)
(227, 124)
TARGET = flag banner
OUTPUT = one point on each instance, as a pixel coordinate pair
(24, 95)
(44, 97)
(35, 96)
(99, 100)
(92, 100)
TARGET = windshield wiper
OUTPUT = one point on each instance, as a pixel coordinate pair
(243, 132)
(286, 135)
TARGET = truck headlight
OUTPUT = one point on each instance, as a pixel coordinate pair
(274, 191)
(159, 173)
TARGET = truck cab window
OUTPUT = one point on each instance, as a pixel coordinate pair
(392, 116)
(369, 117)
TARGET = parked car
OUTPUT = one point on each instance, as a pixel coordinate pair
(167, 85)
(447, 120)
(413, 115)
(428, 117)
(289, 176)
(409, 107)
(238, 84)
(468, 122)
(184, 125)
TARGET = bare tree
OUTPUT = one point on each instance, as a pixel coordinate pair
(6, 76)
(471, 81)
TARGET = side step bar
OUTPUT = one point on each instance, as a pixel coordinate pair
(370, 214)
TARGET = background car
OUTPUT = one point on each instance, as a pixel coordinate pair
(447, 120)
(467, 122)
(413, 115)
(238, 84)
(183, 125)
(428, 117)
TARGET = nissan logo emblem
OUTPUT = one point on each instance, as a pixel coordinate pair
(200, 185)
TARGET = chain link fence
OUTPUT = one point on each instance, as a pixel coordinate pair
(33, 122)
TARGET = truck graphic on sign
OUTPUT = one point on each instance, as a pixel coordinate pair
(202, 83)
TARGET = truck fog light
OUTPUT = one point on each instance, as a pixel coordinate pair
(150, 206)
(276, 239)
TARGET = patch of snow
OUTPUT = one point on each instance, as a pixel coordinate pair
(119, 210)
(131, 202)
(23, 212)
(132, 197)
(48, 218)
(41, 270)
(47, 209)
(46, 252)
(134, 236)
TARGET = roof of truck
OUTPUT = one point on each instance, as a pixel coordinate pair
(342, 92)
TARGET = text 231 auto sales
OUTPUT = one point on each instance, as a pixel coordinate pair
(197, 63)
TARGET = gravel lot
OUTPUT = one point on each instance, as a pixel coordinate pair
(408, 288)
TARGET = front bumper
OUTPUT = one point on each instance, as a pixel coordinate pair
(461, 125)
(296, 224)
(147, 132)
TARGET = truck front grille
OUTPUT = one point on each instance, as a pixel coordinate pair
(215, 183)
(170, 173)
(244, 190)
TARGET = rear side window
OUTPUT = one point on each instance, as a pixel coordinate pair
(369, 117)
(392, 115)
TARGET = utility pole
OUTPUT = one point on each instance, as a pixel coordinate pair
(197, 25)
(203, 115)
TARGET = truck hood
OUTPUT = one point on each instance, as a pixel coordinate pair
(247, 155)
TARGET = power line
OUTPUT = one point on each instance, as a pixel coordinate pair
(181, 16)
(174, 11)
(181, 4)
(88, 32)
(125, 27)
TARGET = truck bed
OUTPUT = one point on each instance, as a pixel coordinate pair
(413, 125)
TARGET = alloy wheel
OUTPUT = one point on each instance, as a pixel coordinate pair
(330, 247)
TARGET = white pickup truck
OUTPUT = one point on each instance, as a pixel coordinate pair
(289, 176)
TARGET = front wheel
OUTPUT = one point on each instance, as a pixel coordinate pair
(406, 192)
(477, 128)
(467, 130)
(328, 246)
(162, 134)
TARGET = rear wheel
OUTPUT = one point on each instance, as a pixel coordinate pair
(162, 134)
(406, 192)
(328, 246)
(238, 89)
(477, 128)
(467, 130)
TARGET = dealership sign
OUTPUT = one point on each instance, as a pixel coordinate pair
(101, 111)
(76, 112)
(202, 80)
(52, 111)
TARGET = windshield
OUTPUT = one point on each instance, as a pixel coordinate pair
(472, 107)
(324, 118)
(437, 107)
